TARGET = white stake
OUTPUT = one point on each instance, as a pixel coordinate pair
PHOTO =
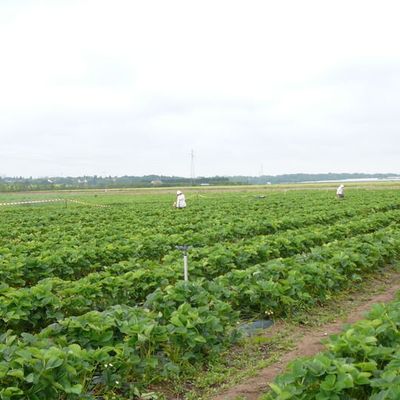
(184, 249)
(185, 268)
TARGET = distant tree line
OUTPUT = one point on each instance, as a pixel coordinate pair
(14, 184)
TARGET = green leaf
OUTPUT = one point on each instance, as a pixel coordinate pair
(53, 363)
(76, 389)
(18, 373)
(328, 384)
(176, 321)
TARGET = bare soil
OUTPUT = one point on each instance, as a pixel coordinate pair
(309, 344)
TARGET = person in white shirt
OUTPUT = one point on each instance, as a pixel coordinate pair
(340, 192)
(180, 200)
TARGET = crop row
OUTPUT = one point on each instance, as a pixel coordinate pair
(120, 349)
(120, 231)
(74, 227)
(23, 266)
(29, 308)
(179, 325)
(81, 222)
(78, 223)
(361, 363)
(283, 286)
(212, 261)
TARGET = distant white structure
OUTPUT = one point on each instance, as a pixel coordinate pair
(392, 178)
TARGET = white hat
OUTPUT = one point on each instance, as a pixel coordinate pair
(178, 192)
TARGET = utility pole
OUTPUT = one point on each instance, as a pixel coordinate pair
(192, 174)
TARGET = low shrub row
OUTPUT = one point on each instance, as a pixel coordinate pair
(30, 309)
(361, 363)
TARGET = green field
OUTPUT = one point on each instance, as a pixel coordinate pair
(361, 363)
(92, 299)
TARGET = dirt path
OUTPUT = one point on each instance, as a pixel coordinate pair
(309, 345)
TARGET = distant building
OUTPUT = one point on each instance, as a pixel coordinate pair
(156, 182)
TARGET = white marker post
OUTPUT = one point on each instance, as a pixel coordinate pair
(184, 250)
(185, 267)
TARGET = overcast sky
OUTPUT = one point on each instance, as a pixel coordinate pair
(130, 87)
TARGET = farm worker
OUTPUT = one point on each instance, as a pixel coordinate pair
(180, 200)
(340, 192)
